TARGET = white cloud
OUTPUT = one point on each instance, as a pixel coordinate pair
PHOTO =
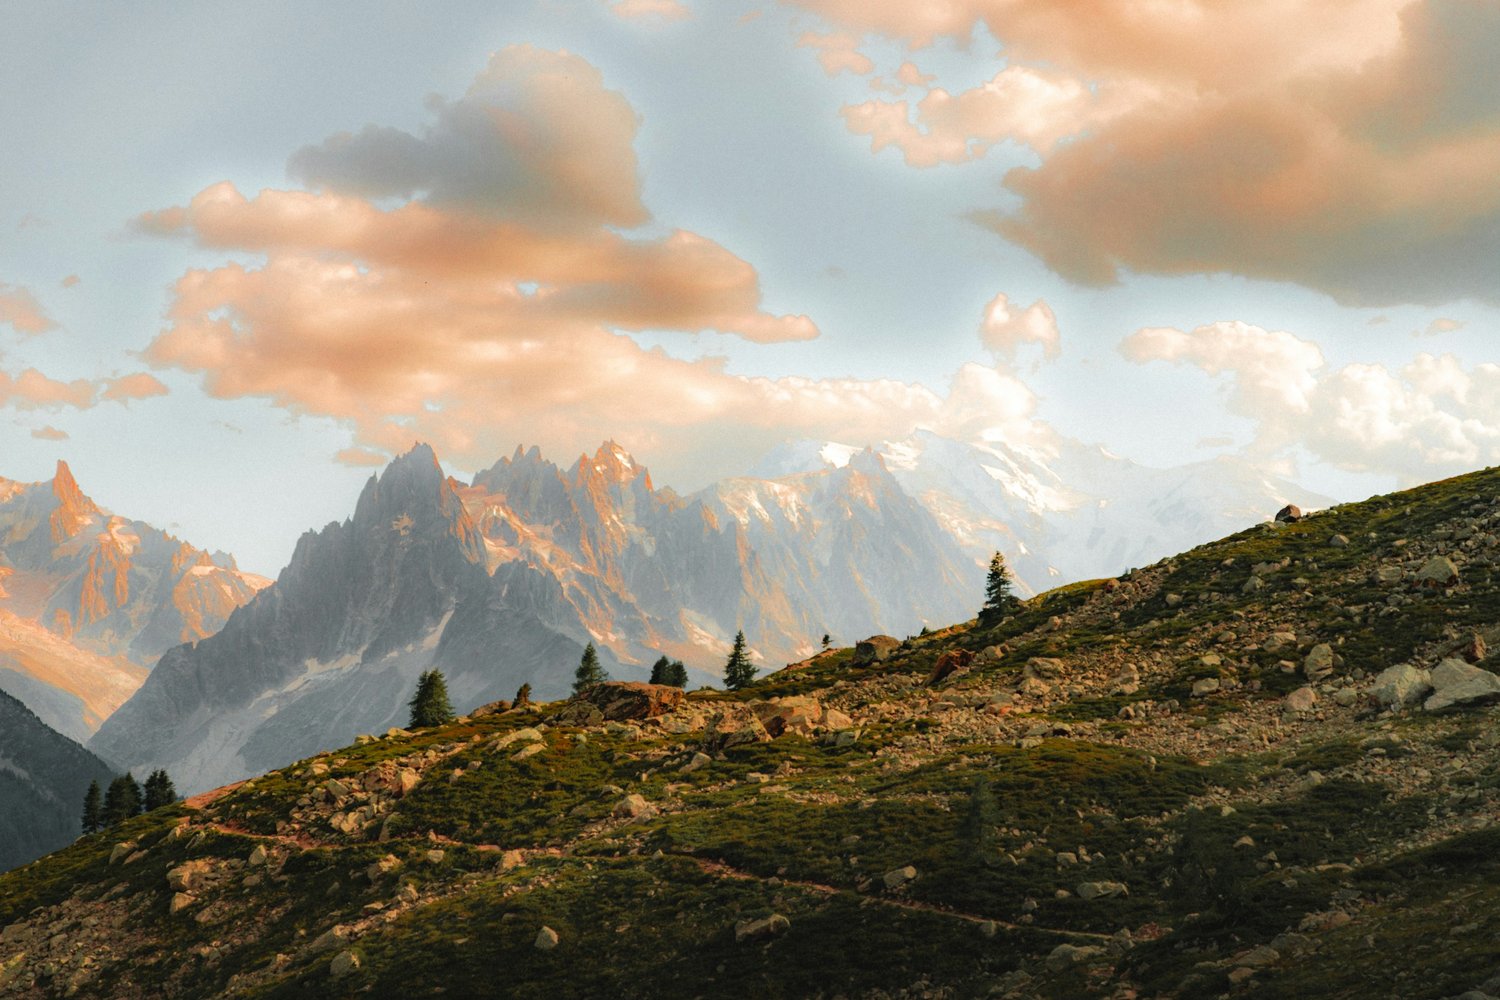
(1004, 328)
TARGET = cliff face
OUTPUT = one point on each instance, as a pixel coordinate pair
(89, 600)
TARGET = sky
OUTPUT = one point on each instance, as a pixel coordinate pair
(248, 252)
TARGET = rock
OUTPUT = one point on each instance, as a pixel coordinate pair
(546, 939)
(797, 714)
(259, 855)
(1204, 686)
(1254, 585)
(1438, 571)
(1345, 697)
(406, 780)
(898, 877)
(331, 938)
(948, 664)
(181, 877)
(1457, 684)
(1339, 542)
(734, 725)
(1319, 662)
(1044, 668)
(343, 964)
(633, 807)
(1290, 514)
(1280, 642)
(1034, 687)
(750, 930)
(699, 760)
(511, 859)
(846, 737)
(618, 701)
(180, 901)
(875, 649)
(836, 720)
(1173, 600)
(1065, 956)
(1126, 682)
(1401, 685)
(1102, 890)
(121, 852)
(1301, 700)
(436, 856)
(528, 735)
(490, 708)
(528, 750)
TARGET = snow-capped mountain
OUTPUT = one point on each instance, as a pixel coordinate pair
(502, 582)
(1066, 512)
(89, 600)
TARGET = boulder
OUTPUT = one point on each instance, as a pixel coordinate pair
(1401, 685)
(121, 852)
(898, 877)
(1290, 514)
(1457, 684)
(618, 701)
(490, 708)
(948, 664)
(1126, 682)
(875, 649)
(750, 930)
(633, 807)
(259, 855)
(1280, 642)
(1102, 890)
(1204, 686)
(343, 964)
(798, 714)
(1319, 662)
(1044, 668)
(1438, 571)
(734, 725)
(836, 720)
(1301, 700)
(546, 939)
(180, 901)
(1065, 956)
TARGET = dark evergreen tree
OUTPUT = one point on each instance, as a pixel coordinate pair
(739, 672)
(159, 790)
(93, 810)
(659, 670)
(827, 641)
(122, 800)
(430, 705)
(998, 599)
(523, 695)
(669, 671)
(677, 674)
(589, 672)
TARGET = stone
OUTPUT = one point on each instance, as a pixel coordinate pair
(1126, 682)
(875, 649)
(897, 877)
(436, 856)
(121, 852)
(633, 807)
(1204, 686)
(1345, 697)
(343, 964)
(1254, 585)
(750, 930)
(331, 938)
(619, 701)
(1301, 700)
(181, 878)
(734, 725)
(1318, 663)
(949, 663)
(528, 750)
(1400, 686)
(546, 939)
(1290, 514)
(1102, 890)
(1280, 642)
(259, 855)
(836, 720)
(1457, 684)
(1438, 571)
(699, 760)
(1044, 668)
(1339, 541)
(406, 780)
(846, 737)
(527, 735)
(336, 788)
(798, 714)
(1065, 956)
(180, 901)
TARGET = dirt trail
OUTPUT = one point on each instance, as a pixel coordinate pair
(722, 870)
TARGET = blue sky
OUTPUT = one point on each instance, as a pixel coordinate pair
(712, 120)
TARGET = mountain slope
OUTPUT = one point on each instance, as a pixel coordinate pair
(89, 600)
(1193, 780)
(43, 776)
(502, 582)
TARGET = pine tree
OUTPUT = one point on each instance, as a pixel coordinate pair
(523, 695)
(159, 790)
(827, 641)
(739, 672)
(430, 705)
(669, 672)
(659, 670)
(997, 596)
(93, 812)
(677, 674)
(589, 673)
(122, 800)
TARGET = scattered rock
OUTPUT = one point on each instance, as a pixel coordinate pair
(1457, 684)
(898, 877)
(343, 964)
(633, 807)
(1301, 700)
(1400, 686)
(1438, 571)
(949, 663)
(259, 855)
(1102, 890)
(1204, 686)
(750, 930)
(1319, 662)
(180, 901)
(1290, 514)
(546, 939)
(1065, 956)
(618, 701)
(121, 852)
(875, 649)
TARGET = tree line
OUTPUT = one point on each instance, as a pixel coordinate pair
(125, 798)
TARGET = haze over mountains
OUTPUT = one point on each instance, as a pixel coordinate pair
(89, 600)
(502, 581)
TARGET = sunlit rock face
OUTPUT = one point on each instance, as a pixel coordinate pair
(89, 600)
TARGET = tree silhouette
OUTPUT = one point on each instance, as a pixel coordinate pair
(589, 672)
(159, 790)
(93, 810)
(430, 705)
(998, 598)
(739, 672)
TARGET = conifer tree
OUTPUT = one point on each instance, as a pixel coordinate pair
(523, 696)
(677, 674)
(669, 671)
(159, 790)
(659, 670)
(93, 810)
(739, 672)
(589, 672)
(122, 800)
(827, 641)
(998, 598)
(430, 705)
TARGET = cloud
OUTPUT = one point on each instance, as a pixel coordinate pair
(839, 53)
(20, 309)
(667, 10)
(49, 433)
(71, 280)
(361, 458)
(414, 291)
(1004, 328)
(139, 385)
(1430, 418)
(1440, 325)
(1346, 146)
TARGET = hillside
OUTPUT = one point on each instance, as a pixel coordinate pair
(1201, 779)
(43, 776)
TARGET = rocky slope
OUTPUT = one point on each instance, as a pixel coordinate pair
(1263, 768)
(43, 776)
(89, 600)
(503, 581)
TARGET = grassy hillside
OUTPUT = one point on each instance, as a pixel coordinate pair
(1129, 788)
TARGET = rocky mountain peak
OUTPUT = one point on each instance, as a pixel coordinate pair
(74, 509)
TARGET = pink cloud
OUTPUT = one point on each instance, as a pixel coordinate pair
(31, 390)
(49, 433)
(667, 10)
(361, 458)
(20, 309)
(138, 385)
(1004, 327)
(839, 53)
